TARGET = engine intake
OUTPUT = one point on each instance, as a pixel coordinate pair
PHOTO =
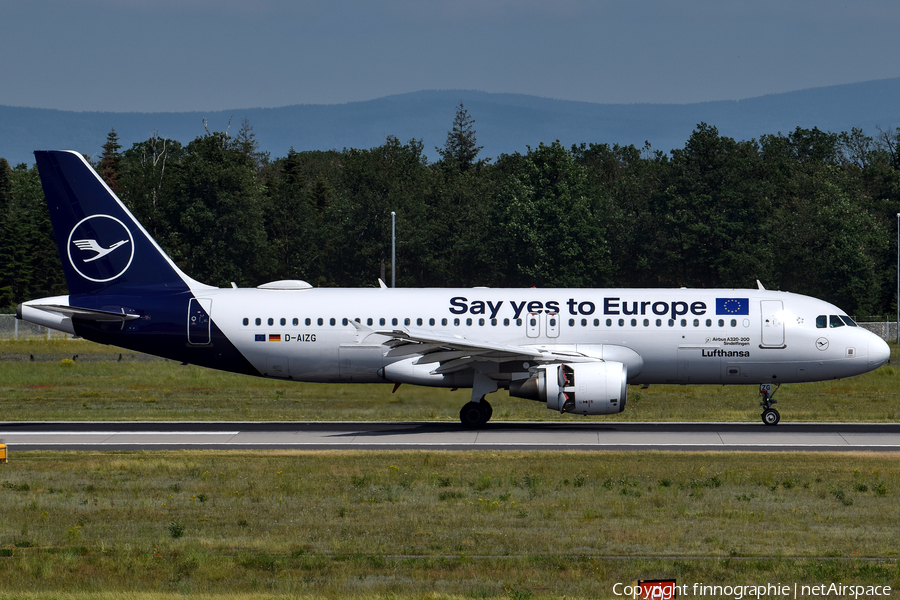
(599, 388)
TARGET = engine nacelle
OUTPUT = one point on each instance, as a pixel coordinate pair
(599, 388)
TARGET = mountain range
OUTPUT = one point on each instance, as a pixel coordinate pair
(504, 123)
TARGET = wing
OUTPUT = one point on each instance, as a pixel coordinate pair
(88, 245)
(451, 353)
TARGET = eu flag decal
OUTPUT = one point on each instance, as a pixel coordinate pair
(732, 306)
(260, 337)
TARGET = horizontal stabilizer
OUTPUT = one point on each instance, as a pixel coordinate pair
(86, 314)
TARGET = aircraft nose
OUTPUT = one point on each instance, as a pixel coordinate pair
(879, 352)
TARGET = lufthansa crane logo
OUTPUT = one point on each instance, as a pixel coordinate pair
(100, 248)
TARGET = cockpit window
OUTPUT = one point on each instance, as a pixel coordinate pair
(848, 321)
(822, 321)
(835, 321)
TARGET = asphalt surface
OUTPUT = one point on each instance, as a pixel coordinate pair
(584, 436)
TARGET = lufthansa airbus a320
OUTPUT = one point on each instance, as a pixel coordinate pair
(574, 350)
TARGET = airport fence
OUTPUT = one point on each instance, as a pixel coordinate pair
(13, 329)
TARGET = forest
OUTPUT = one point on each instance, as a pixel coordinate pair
(809, 211)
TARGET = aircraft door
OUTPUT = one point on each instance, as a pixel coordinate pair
(198, 321)
(772, 325)
(533, 325)
(552, 325)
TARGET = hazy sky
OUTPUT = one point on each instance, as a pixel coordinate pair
(176, 55)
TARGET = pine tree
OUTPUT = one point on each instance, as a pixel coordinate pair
(109, 161)
(461, 148)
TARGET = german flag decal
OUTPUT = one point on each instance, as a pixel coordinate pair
(274, 337)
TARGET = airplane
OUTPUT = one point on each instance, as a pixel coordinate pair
(574, 350)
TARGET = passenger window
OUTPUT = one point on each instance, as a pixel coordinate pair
(553, 322)
(283, 321)
(596, 322)
(734, 322)
(684, 322)
(272, 321)
(494, 322)
(481, 322)
(696, 322)
(671, 322)
(246, 321)
(506, 322)
(345, 321)
(721, 322)
(308, 321)
(609, 322)
(332, 321)
(709, 322)
(584, 322)
(571, 322)
(848, 321)
(296, 321)
(469, 322)
(443, 321)
(456, 322)
(258, 321)
(821, 322)
(394, 321)
(835, 321)
(659, 322)
(533, 322)
(518, 322)
(381, 321)
(369, 321)
(621, 322)
(418, 321)
(646, 322)
(406, 321)
(320, 321)
(431, 321)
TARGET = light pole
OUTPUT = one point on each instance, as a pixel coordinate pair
(394, 249)
(898, 278)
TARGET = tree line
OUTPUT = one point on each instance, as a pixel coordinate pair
(809, 211)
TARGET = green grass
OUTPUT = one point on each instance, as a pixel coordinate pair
(96, 386)
(439, 524)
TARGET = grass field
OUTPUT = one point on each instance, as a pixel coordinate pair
(280, 524)
(422, 524)
(98, 386)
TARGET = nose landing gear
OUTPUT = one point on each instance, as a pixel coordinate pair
(770, 416)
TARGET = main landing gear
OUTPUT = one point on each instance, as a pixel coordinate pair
(475, 414)
(770, 416)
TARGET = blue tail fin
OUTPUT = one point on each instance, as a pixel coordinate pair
(102, 246)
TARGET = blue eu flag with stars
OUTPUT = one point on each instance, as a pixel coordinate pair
(732, 306)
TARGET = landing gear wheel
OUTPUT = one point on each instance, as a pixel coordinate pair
(474, 415)
(770, 416)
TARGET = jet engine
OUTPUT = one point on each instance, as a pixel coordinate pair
(596, 388)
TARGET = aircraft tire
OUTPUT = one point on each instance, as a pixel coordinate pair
(770, 416)
(473, 415)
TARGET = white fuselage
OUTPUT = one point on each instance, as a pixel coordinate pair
(676, 333)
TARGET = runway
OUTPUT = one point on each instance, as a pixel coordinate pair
(345, 435)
